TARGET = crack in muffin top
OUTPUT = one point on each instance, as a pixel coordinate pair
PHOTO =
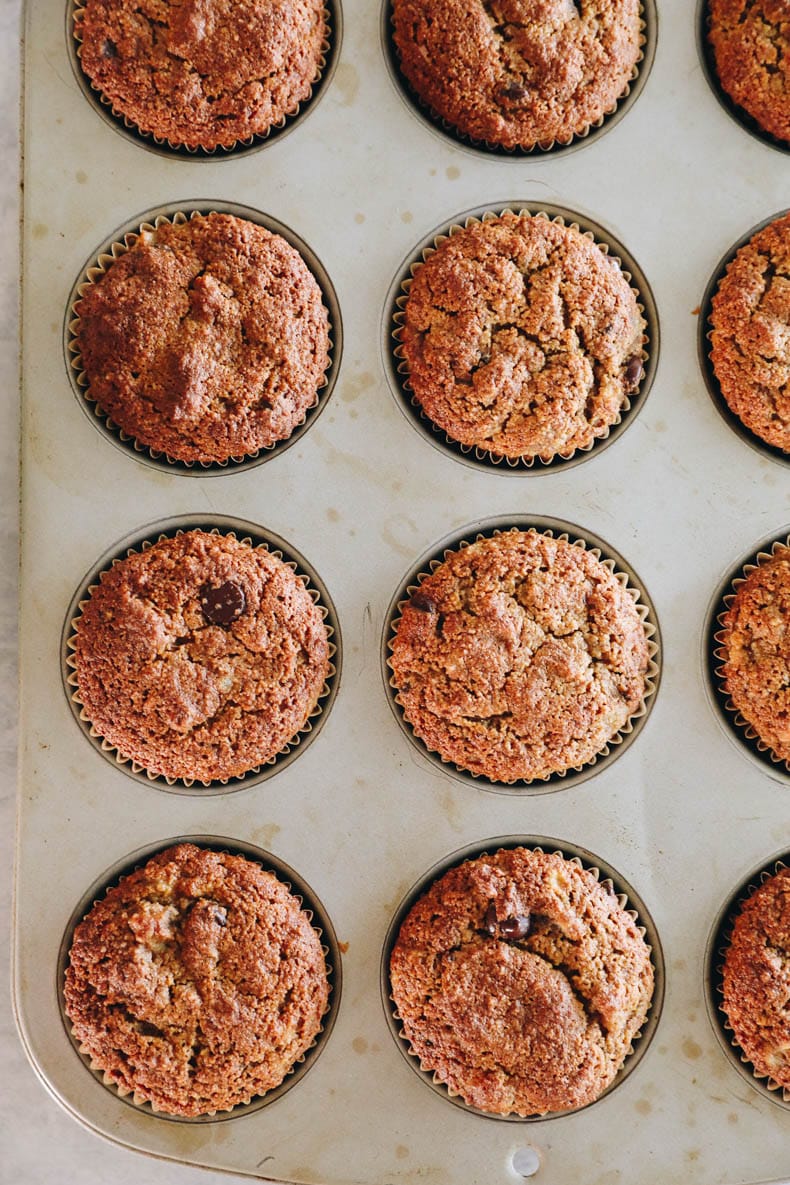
(526, 1024)
(206, 340)
(750, 334)
(518, 73)
(196, 982)
(203, 73)
(174, 674)
(751, 49)
(521, 337)
(519, 657)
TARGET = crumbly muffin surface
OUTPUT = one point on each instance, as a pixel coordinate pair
(196, 982)
(751, 48)
(756, 978)
(200, 657)
(522, 337)
(521, 982)
(756, 644)
(750, 334)
(518, 73)
(519, 657)
(205, 73)
(207, 340)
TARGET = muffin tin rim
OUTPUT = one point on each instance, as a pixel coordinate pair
(127, 444)
(588, 861)
(310, 902)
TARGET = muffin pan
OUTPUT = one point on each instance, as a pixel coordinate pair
(360, 812)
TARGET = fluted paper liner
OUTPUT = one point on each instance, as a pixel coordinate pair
(330, 52)
(718, 944)
(146, 228)
(311, 907)
(257, 537)
(638, 77)
(477, 455)
(585, 860)
(566, 532)
(737, 725)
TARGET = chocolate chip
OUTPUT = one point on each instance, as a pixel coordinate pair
(513, 91)
(222, 603)
(489, 925)
(109, 49)
(517, 927)
(221, 917)
(423, 603)
(633, 373)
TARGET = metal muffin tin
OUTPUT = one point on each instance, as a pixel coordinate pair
(359, 812)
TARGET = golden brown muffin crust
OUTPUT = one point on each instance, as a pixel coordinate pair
(522, 337)
(207, 340)
(751, 48)
(756, 644)
(203, 73)
(521, 982)
(518, 73)
(519, 657)
(750, 334)
(200, 657)
(196, 982)
(756, 978)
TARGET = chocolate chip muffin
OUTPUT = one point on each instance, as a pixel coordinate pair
(750, 41)
(200, 658)
(197, 982)
(756, 979)
(522, 338)
(750, 334)
(518, 73)
(521, 656)
(521, 981)
(755, 647)
(202, 74)
(207, 340)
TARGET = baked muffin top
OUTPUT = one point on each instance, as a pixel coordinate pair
(755, 641)
(205, 73)
(521, 982)
(519, 657)
(518, 73)
(751, 50)
(756, 978)
(750, 333)
(206, 340)
(522, 337)
(197, 982)
(200, 657)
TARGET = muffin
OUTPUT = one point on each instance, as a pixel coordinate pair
(519, 657)
(200, 658)
(754, 645)
(518, 73)
(207, 340)
(521, 337)
(202, 75)
(750, 42)
(750, 334)
(521, 982)
(756, 979)
(197, 982)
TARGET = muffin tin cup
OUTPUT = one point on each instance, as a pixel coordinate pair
(738, 729)
(715, 951)
(602, 872)
(317, 916)
(446, 130)
(704, 332)
(398, 371)
(117, 245)
(559, 529)
(707, 60)
(330, 55)
(246, 532)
